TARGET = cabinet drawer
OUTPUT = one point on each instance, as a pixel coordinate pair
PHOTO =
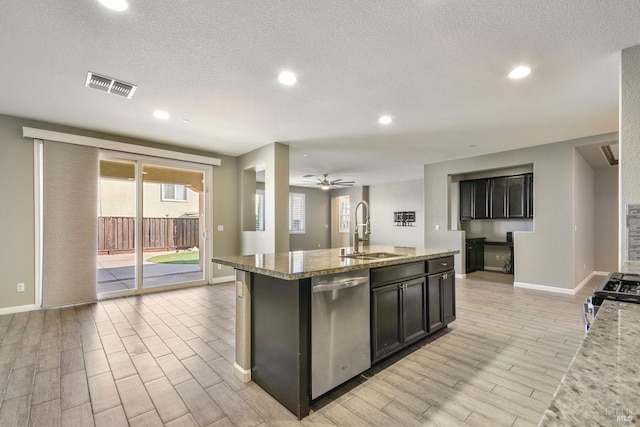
(439, 265)
(396, 273)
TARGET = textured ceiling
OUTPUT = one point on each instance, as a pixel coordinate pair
(438, 67)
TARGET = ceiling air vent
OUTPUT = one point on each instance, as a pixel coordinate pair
(610, 153)
(107, 84)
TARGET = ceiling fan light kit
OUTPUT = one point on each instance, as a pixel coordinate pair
(326, 184)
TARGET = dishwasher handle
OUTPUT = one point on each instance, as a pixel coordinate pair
(340, 284)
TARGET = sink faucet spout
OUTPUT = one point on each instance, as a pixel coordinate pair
(366, 225)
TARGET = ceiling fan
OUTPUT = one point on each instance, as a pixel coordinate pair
(326, 183)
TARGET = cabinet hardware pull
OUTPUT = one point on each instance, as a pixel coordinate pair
(444, 264)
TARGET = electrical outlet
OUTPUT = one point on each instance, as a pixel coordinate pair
(20, 287)
(219, 266)
(497, 257)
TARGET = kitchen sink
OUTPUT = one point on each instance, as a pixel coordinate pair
(371, 255)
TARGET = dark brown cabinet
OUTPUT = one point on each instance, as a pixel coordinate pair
(398, 316)
(474, 199)
(441, 302)
(497, 198)
(474, 255)
(516, 197)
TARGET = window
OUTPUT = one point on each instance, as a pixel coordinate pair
(174, 193)
(344, 214)
(296, 213)
(259, 210)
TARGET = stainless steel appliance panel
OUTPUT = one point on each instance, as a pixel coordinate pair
(340, 329)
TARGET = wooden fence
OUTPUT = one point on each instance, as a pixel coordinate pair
(117, 234)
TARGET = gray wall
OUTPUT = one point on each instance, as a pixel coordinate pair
(317, 217)
(583, 219)
(542, 257)
(17, 263)
(629, 139)
(606, 219)
(384, 200)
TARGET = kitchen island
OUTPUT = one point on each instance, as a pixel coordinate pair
(412, 295)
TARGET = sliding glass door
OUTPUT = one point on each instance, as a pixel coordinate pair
(151, 225)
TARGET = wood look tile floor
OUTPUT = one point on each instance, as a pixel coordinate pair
(166, 359)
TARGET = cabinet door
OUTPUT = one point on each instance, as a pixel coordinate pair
(414, 311)
(516, 196)
(449, 296)
(480, 199)
(434, 302)
(470, 258)
(498, 197)
(386, 329)
(466, 200)
(530, 195)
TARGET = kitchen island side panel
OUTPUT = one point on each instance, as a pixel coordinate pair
(280, 321)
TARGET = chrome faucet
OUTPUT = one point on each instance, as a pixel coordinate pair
(366, 225)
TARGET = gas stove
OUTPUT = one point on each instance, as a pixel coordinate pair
(623, 287)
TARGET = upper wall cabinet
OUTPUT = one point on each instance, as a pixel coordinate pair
(474, 199)
(497, 198)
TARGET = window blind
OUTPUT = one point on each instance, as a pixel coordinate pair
(296, 213)
(70, 234)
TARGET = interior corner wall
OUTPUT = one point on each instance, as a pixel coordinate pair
(542, 257)
(606, 219)
(317, 206)
(385, 199)
(583, 219)
(275, 237)
(629, 166)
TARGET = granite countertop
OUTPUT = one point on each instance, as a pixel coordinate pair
(602, 384)
(302, 264)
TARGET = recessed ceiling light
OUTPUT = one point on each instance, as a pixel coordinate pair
(162, 115)
(287, 78)
(385, 120)
(185, 120)
(519, 72)
(305, 155)
(117, 5)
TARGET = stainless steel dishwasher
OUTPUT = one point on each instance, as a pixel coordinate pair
(340, 329)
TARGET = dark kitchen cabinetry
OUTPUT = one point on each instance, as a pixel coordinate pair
(398, 310)
(474, 255)
(408, 302)
(474, 198)
(497, 198)
(441, 306)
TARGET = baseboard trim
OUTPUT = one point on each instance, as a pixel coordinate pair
(223, 279)
(242, 374)
(543, 288)
(494, 269)
(461, 276)
(18, 309)
(560, 290)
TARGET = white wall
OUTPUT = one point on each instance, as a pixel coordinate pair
(542, 257)
(583, 219)
(606, 219)
(275, 237)
(629, 140)
(386, 199)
